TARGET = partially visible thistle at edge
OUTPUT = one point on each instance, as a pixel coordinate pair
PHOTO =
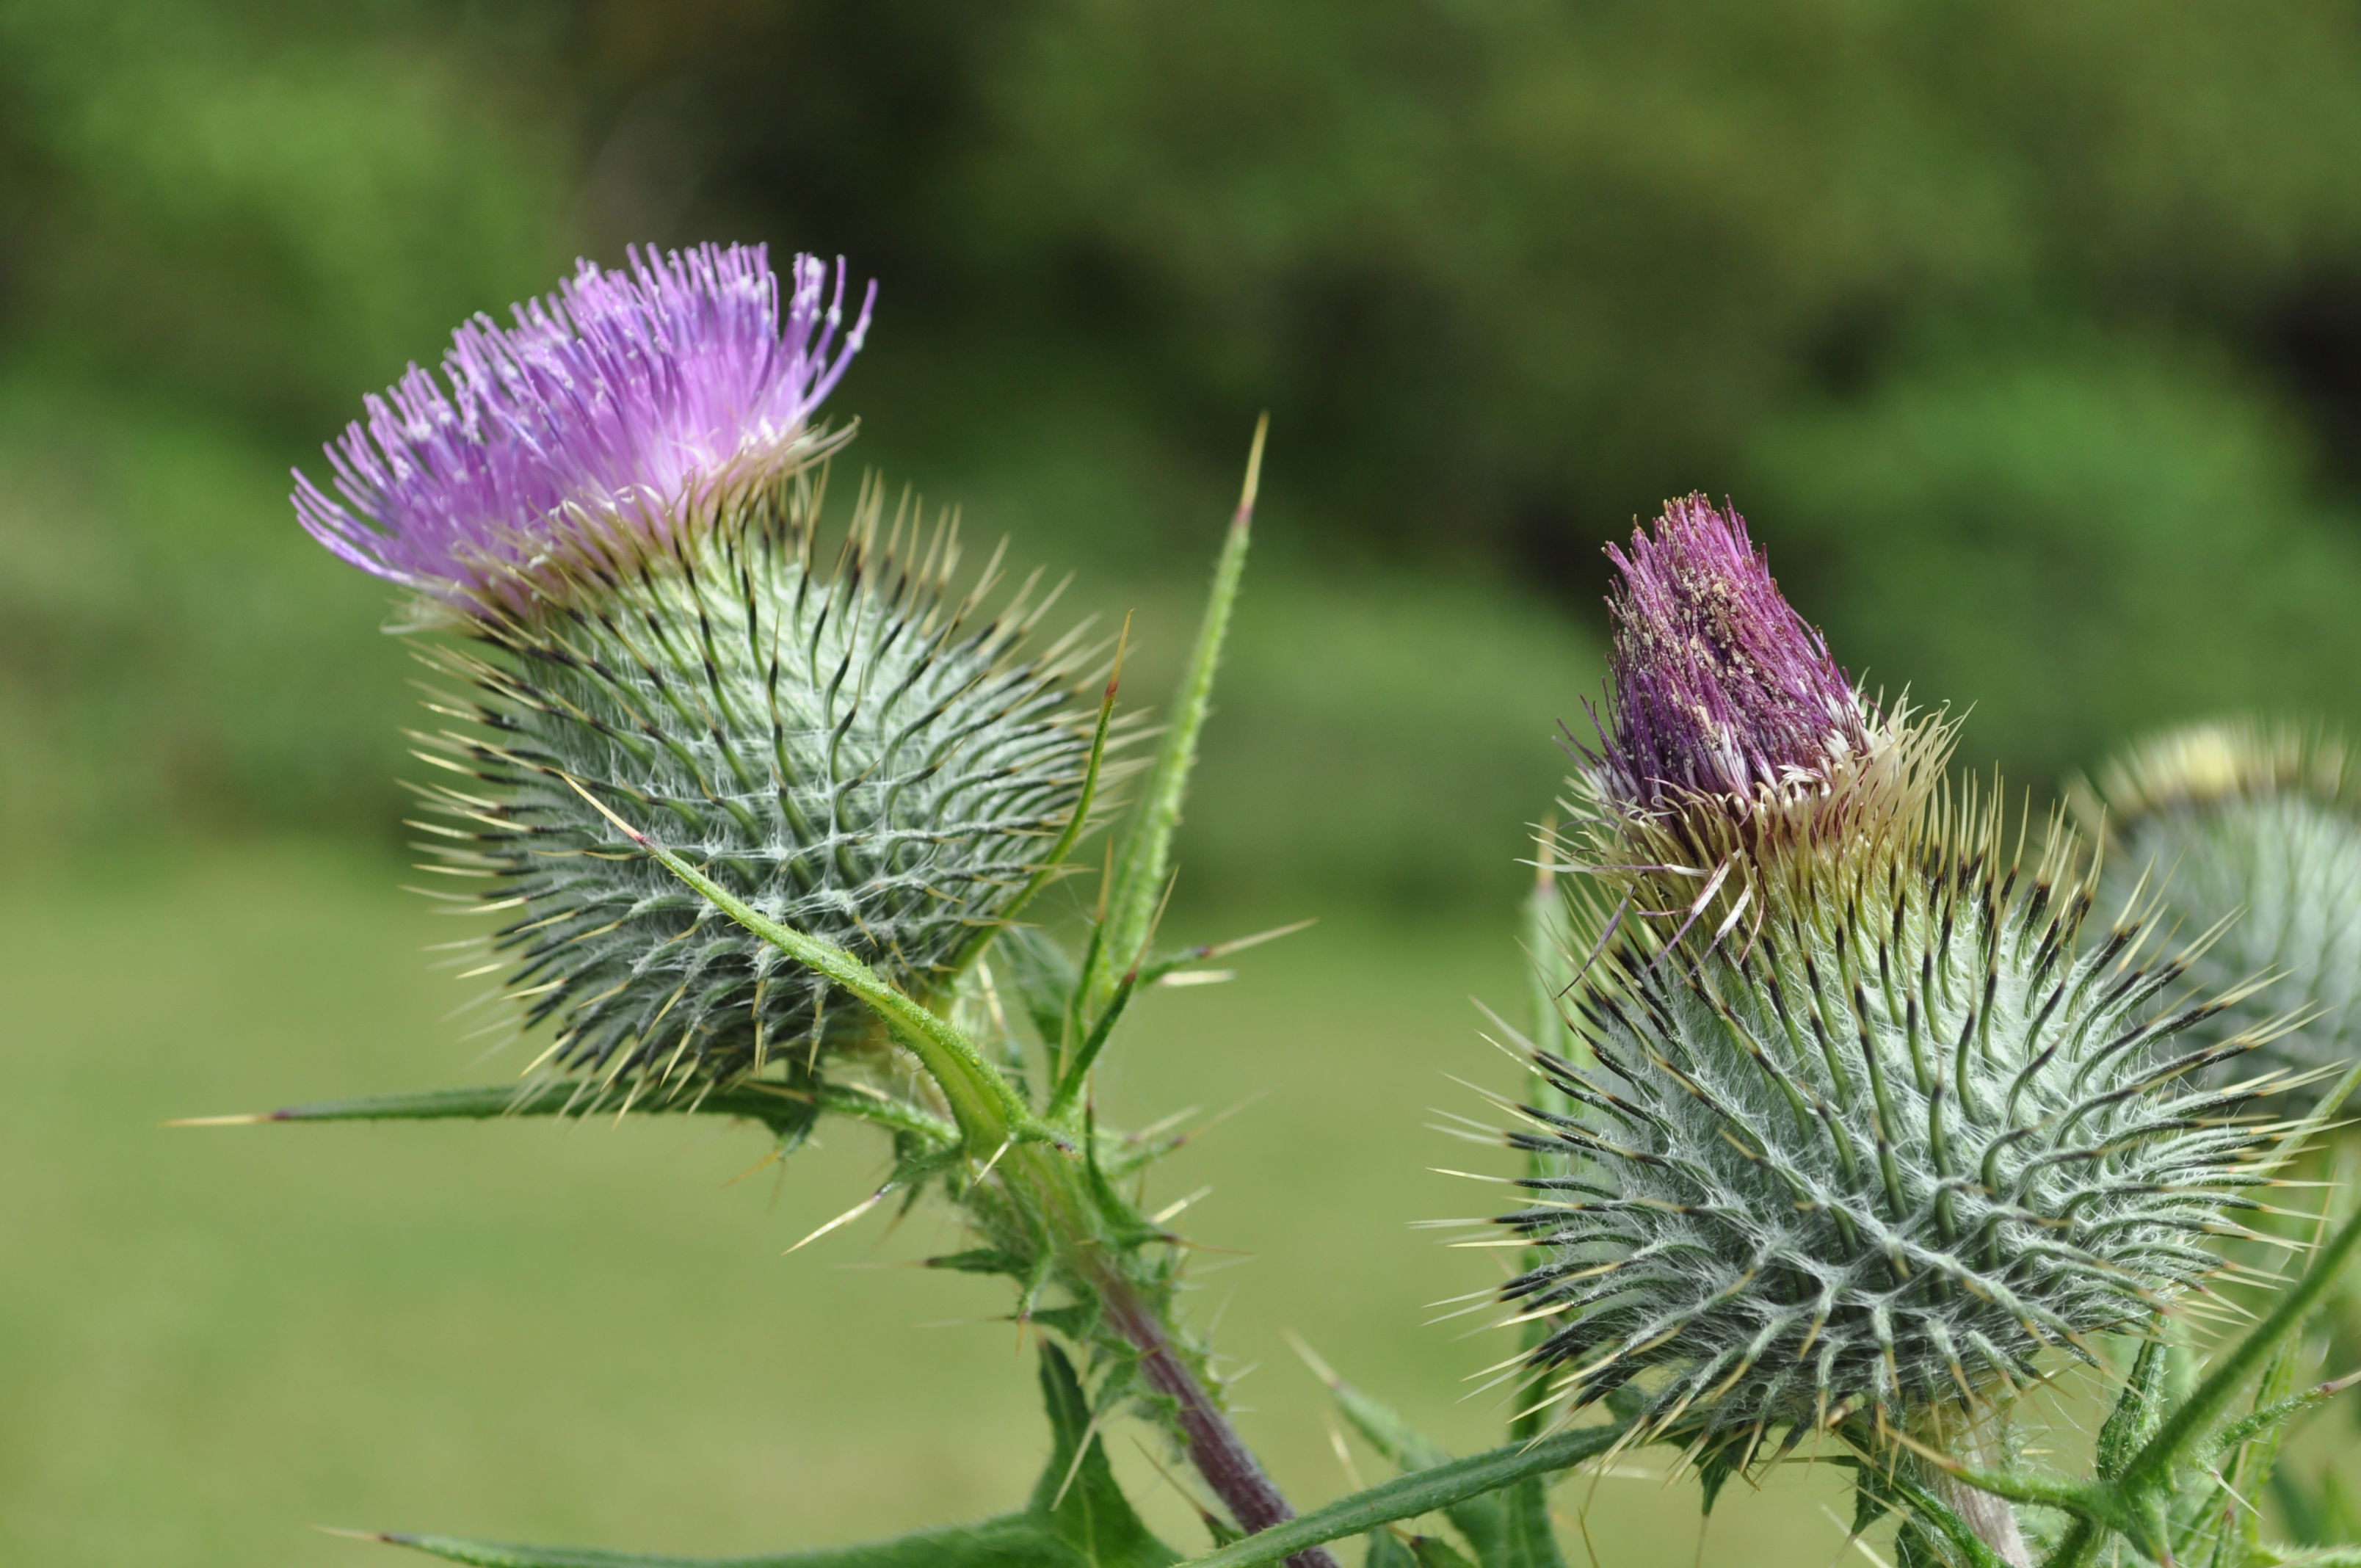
(2255, 827)
(611, 408)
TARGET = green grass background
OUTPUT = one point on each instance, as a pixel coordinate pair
(211, 1339)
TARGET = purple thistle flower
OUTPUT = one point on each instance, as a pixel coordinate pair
(1716, 683)
(621, 396)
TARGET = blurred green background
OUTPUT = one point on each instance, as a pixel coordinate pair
(2026, 335)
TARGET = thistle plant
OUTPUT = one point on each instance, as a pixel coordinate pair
(1846, 1125)
(2249, 832)
(1856, 1131)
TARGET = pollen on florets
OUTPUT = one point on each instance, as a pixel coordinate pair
(604, 416)
(1718, 686)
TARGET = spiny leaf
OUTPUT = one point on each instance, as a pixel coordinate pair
(1077, 821)
(1015, 1541)
(2137, 1410)
(1136, 884)
(1424, 1491)
(1044, 975)
(785, 1110)
(1714, 1467)
(1484, 1520)
(1077, 1496)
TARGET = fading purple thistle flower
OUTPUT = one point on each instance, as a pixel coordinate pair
(1716, 685)
(621, 396)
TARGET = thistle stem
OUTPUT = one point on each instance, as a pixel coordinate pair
(1215, 1447)
(1993, 1519)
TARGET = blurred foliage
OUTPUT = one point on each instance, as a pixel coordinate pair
(2028, 336)
(2080, 542)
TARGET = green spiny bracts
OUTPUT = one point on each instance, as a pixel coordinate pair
(2255, 829)
(856, 752)
(1876, 1158)
(1853, 1129)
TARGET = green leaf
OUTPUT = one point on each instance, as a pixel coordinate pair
(1055, 861)
(786, 1111)
(1137, 884)
(2137, 1411)
(1714, 1467)
(1077, 1496)
(1015, 1541)
(1044, 977)
(978, 1260)
(1436, 1488)
(1428, 1551)
(1483, 1520)
(1076, 1072)
(1388, 1550)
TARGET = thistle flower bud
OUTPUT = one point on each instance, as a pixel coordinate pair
(1718, 687)
(1736, 755)
(610, 513)
(1856, 1151)
(2252, 829)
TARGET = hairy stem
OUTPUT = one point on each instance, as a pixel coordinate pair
(1992, 1519)
(1215, 1449)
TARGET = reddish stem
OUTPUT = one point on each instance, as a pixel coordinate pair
(1228, 1466)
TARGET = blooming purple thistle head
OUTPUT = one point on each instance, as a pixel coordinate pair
(624, 397)
(1716, 685)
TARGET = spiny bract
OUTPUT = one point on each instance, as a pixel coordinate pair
(856, 753)
(1872, 1160)
(2254, 829)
